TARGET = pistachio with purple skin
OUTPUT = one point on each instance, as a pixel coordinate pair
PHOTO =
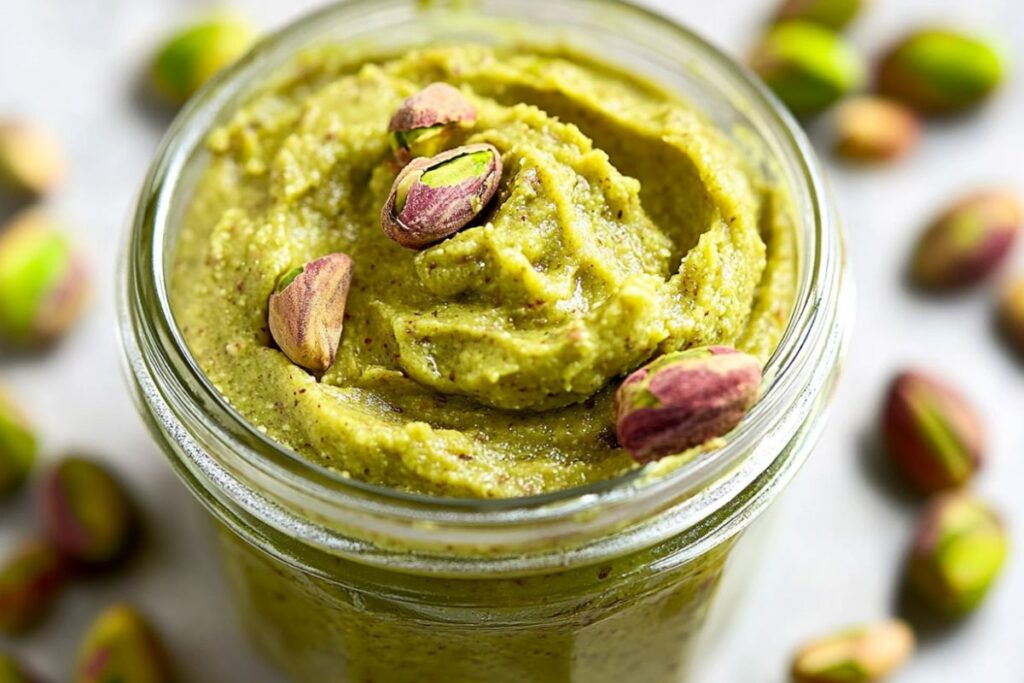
(968, 241)
(307, 311)
(433, 198)
(88, 514)
(419, 125)
(932, 433)
(958, 552)
(30, 581)
(12, 671)
(18, 446)
(684, 399)
(864, 654)
(122, 646)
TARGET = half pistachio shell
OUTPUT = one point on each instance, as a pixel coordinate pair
(419, 124)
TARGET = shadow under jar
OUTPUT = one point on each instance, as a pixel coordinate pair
(342, 580)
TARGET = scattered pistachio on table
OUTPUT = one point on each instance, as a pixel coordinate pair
(836, 14)
(434, 197)
(307, 311)
(195, 54)
(88, 514)
(958, 552)
(809, 66)
(1011, 312)
(18, 446)
(865, 654)
(30, 581)
(121, 646)
(420, 125)
(968, 241)
(941, 71)
(875, 129)
(13, 671)
(684, 399)
(932, 434)
(31, 160)
(44, 283)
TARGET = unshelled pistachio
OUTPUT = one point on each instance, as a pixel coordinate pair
(433, 198)
(307, 311)
(30, 581)
(1011, 312)
(31, 161)
(18, 445)
(13, 671)
(865, 654)
(958, 553)
(809, 66)
(121, 646)
(88, 514)
(196, 53)
(875, 129)
(932, 433)
(44, 284)
(683, 399)
(835, 14)
(420, 125)
(968, 241)
(940, 71)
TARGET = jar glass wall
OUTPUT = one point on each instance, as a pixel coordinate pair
(344, 581)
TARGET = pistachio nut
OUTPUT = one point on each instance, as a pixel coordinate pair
(968, 241)
(30, 581)
(940, 71)
(875, 129)
(1011, 312)
(307, 311)
(864, 654)
(31, 161)
(932, 433)
(433, 198)
(419, 124)
(12, 671)
(18, 446)
(808, 66)
(684, 399)
(958, 552)
(835, 14)
(44, 284)
(189, 58)
(122, 646)
(88, 515)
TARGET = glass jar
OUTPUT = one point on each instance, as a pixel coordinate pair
(343, 581)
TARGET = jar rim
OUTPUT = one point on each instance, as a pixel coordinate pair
(151, 330)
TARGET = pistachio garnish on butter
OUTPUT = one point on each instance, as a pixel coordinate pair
(419, 124)
(307, 311)
(864, 654)
(122, 646)
(433, 198)
(684, 399)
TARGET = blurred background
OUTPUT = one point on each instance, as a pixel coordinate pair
(840, 534)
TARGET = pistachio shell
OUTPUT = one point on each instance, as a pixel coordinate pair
(121, 646)
(196, 53)
(307, 312)
(31, 161)
(835, 14)
(433, 198)
(807, 65)
(18, 446)
(30, 581)
(958, 553)
(864, 654)
(683, 399)
(875, 129)
(419, 124)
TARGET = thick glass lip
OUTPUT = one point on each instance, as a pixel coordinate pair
(819, 271)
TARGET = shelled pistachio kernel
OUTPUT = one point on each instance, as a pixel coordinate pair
(865, 654)
(31, 161)
(18, 446)
(122, 646)
(875, 129)
(189, 58)
(30, 581)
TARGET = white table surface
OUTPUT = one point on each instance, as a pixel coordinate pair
(840, 532)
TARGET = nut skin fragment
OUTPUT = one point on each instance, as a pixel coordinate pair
(88, 514)
(307, 314)
(122, 646)
(420, 212)
(958, 552)
(808, 66)
(967, 242)
(12, 671)
(940, 71)
(932, 434)
(865, 654)
(18, 446)
(835, 14)
(875, 129)
(32, 163)
(1011, 313)
(44, 282)
(684, 399)
(189, 58)
(30, 581)
(419, 124)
